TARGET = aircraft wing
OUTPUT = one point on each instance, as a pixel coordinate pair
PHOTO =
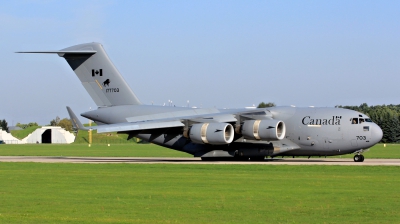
(127, 126)
(163, 123)
(137, 126)
(75, 121)
(169, 120)
(227, 116)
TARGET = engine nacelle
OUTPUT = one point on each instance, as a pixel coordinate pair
(267, 130)
(212, 133)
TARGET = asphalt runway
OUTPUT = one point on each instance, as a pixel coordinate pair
(170, 160)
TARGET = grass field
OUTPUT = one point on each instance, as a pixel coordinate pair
(20, 134)
(138, 193)
(103, 138)
(391, 151)
(145, 150)
(97, 150)
(144, 193)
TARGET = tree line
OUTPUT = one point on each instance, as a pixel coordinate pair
(64, 123)
(386, 116)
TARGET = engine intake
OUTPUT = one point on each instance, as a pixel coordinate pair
(212, 133)
(267, 130)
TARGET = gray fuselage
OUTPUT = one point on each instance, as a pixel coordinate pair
(310, 131)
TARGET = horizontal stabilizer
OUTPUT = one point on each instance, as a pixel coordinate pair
(61, 53)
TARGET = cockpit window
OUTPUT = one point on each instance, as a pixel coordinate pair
(357, 120)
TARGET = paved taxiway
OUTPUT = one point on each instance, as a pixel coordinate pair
(170, 160)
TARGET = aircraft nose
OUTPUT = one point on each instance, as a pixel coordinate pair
(376, 134)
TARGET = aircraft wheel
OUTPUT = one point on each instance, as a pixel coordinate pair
(358, 158)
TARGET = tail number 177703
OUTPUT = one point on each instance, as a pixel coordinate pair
(112, 90)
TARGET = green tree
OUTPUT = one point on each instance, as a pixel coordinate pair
(55, 121)
(4, 125)
(66, 124)
(385, 116)
(23, 126)
(264, 105)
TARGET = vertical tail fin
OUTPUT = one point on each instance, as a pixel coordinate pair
(98, 74)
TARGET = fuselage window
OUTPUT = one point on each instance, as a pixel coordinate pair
(354, 121)
(361, 120)
(366, 128)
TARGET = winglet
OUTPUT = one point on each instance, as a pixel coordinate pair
(75, 121)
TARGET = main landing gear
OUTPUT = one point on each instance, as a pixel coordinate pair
(358, 158)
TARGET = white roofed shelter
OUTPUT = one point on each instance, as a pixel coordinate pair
(45, 134)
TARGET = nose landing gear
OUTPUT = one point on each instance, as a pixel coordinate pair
(358, 158)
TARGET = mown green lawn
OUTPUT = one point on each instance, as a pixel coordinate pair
(379, 151)
(145, 150)
(20, 134)
(144, 193)
(96, 150)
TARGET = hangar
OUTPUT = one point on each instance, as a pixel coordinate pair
(45, 134)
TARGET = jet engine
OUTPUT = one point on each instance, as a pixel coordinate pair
(267, 130)
(212, 133)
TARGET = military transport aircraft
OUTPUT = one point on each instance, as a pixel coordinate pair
(215, 134)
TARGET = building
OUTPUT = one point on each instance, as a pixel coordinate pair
(45, 134)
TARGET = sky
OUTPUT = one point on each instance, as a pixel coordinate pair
(223, 54)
